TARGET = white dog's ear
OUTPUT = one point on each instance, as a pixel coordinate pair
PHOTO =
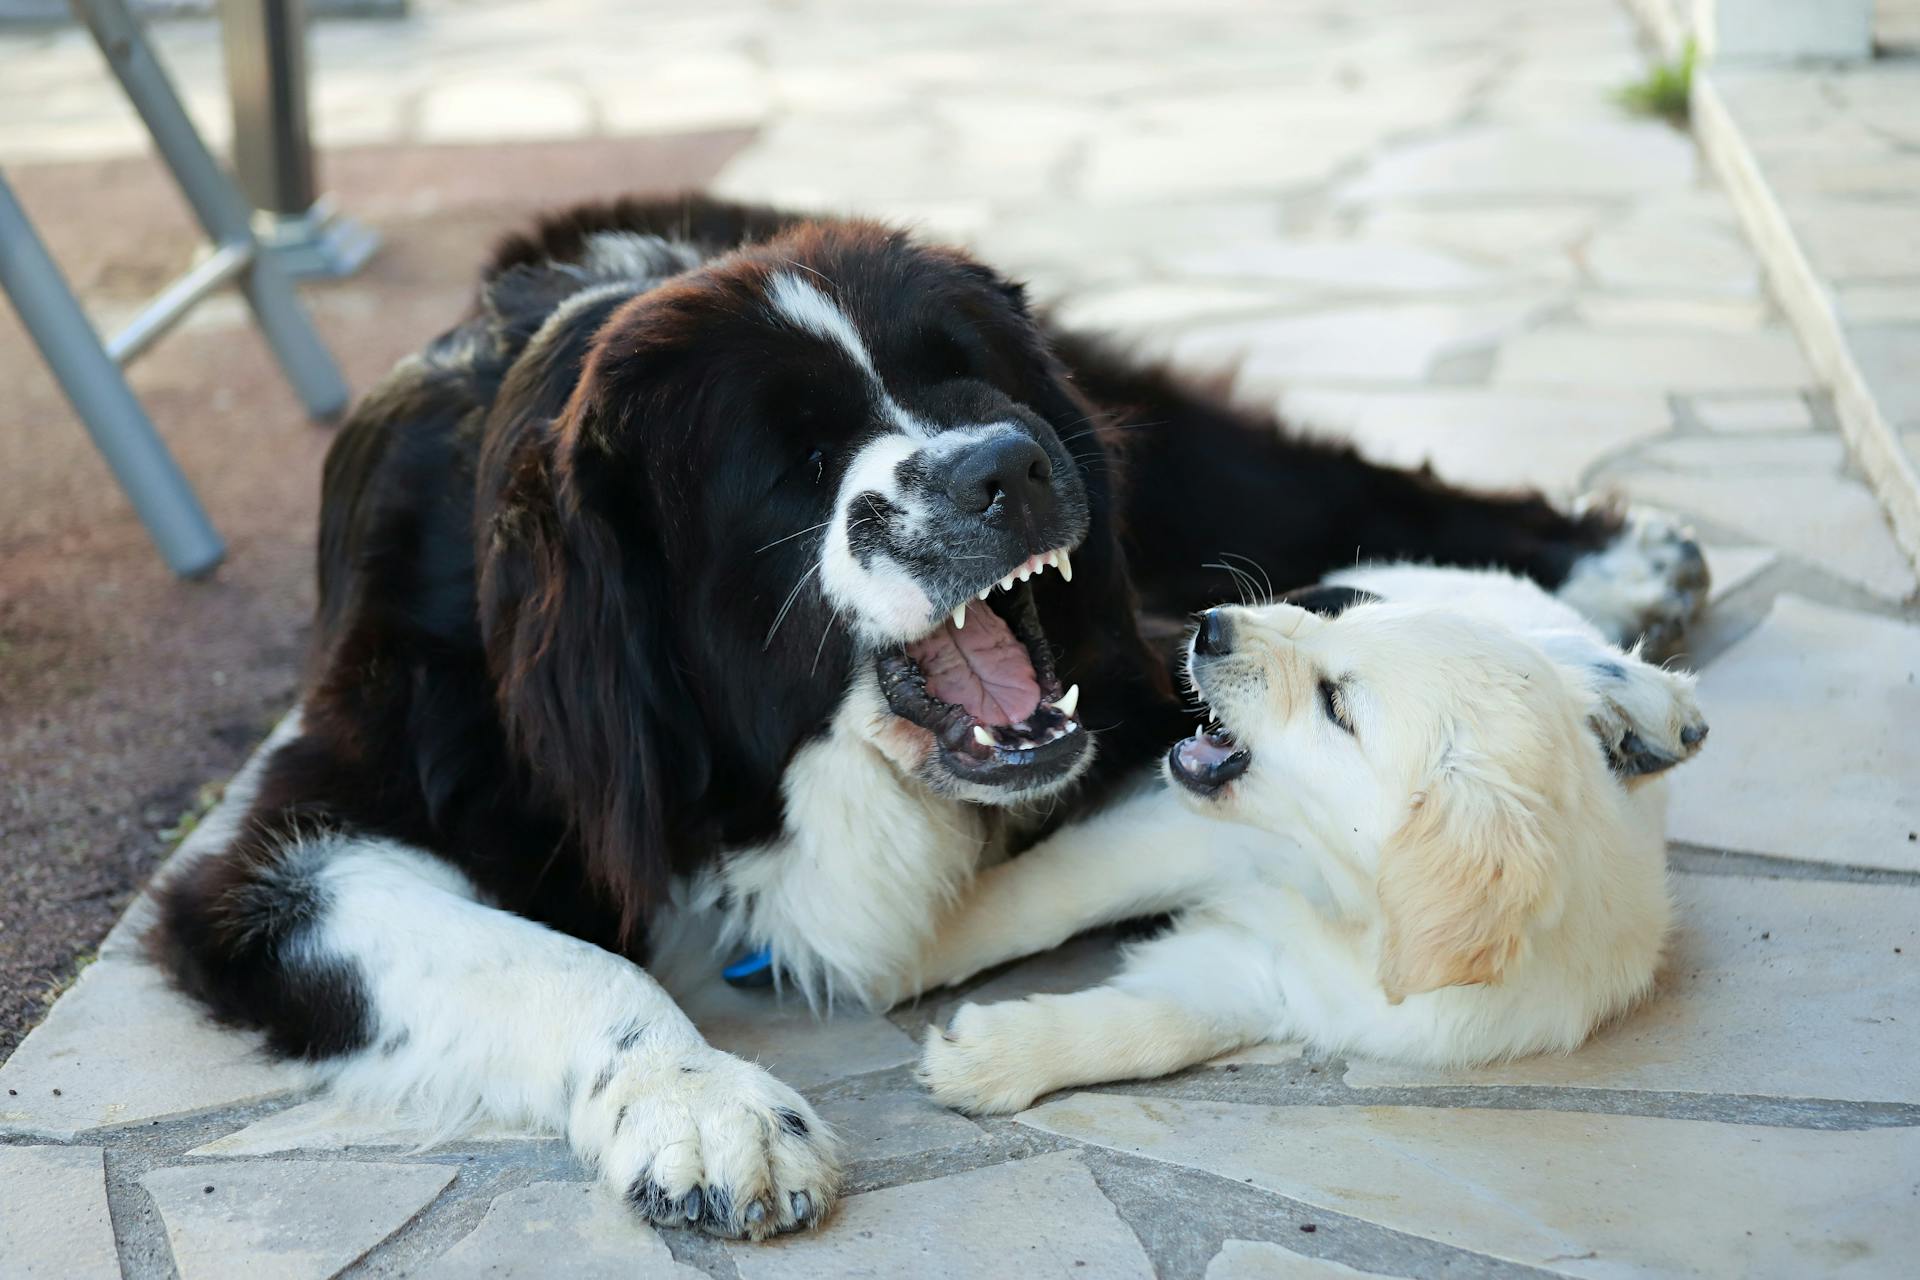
(1457, 883)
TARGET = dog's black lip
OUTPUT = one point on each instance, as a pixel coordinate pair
(1209, 781)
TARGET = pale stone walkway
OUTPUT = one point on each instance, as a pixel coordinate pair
(1424, 226)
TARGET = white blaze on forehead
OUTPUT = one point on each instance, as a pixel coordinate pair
(805, 307)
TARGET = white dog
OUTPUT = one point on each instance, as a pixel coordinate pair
(1422, 830)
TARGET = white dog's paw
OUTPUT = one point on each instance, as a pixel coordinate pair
(1646, 584)
(701, 1138)
(981, 1062)
(1646, 716)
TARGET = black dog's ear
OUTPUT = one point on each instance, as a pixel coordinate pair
(574, 613)
(1327, 601)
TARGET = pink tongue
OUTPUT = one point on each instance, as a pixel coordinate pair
(1202, 751)
(981, 667)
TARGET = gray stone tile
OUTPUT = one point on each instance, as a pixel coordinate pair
(1497, 162)
(1733, 567)
(1259, 1260)
(122, 1047)
(1754, 413)
(1816, 742)
(327, 1125)
(1859, 239)
(1774, 492)
(782, 1034)
(1345, 265)
(1486, 439)
(1364, 344)
(541, 1230)
(498, 106)
(1536, 240)
(1753, 965)
(1039, 1217)
(1659, 314)
(1665, 254)
(1574, 1193)
(880, 1123)
(54, 1223)
(1763, 361)
(289, 1220)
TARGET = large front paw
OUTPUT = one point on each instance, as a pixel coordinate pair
(702, 1138)
(1646, 584)
(982, 1062)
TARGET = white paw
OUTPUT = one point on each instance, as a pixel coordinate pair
(1646, 584)
(696, 1137)
(1647, 719)
(982, 1062)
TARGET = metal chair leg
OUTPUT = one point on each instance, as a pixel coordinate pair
(218, 205)
(100, 395)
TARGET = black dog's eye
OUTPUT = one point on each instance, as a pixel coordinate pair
(816, 463)
(1334, 703)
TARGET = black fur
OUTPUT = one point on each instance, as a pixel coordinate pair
(550, 571)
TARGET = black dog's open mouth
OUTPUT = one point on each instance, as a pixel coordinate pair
(983, 684)
(1207, 761)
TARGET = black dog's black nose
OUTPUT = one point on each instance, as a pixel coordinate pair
(1215, 635)
(1012, 470)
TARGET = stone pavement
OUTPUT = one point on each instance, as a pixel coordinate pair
(1422, 226)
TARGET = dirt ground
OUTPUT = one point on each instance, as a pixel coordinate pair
(123, 691)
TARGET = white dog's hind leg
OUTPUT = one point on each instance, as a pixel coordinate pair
(1181, 999)
(1646, 585)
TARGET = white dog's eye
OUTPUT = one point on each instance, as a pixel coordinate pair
(1334, 704)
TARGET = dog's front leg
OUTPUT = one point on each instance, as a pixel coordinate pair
(1180, 999)
(471, 1010)
(1145, 855)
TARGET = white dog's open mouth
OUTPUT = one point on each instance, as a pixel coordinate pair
(983, 684)
(1208, 761)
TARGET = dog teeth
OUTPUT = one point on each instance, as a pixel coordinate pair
(1006, 583)
(959, 617)
(981, 736)
(1065, 564)
(1068, 701)
(984, 593)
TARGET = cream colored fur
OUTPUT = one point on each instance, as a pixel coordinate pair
(1461, 879)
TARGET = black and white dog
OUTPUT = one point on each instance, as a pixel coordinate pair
(782, 568)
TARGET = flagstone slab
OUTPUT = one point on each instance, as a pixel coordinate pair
(1766, 360)
(122, 1047)
(54, 1223)
(1831, 969)
(780, 1032)
(1816, 742)
(1731, 568)
(1480, 438)
(327, 1125)
(287, 1219)
(1664, 254)
(1754, 413)
(1259, 1260)
(881, 1123)
(1786, 492)
(576, 1229)
(1029, 1218)
(1366, 344)
(1356, 265)
(1573, 1193)
(1553, 161)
